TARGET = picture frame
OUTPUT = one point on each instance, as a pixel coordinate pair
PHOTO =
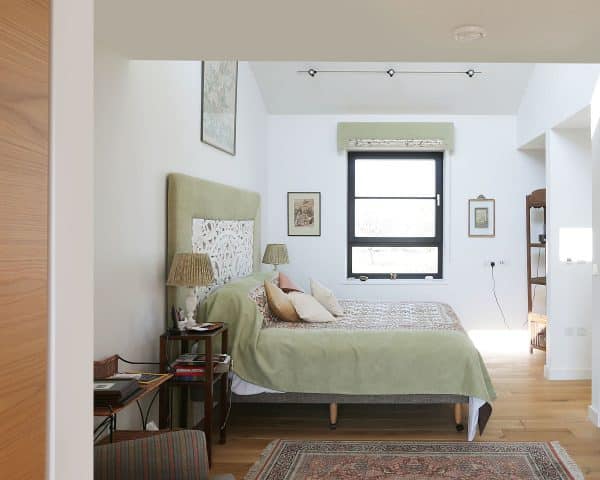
(218, 117)
(304, 214)
(482, 217)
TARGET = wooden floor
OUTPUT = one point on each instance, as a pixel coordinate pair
(528, 408)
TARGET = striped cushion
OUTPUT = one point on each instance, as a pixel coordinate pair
(179, 455)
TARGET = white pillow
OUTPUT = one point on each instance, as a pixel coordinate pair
(326, 298)
(309, 309)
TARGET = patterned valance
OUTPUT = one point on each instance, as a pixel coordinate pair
(395, 135)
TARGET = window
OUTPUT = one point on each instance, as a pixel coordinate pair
(395, 214)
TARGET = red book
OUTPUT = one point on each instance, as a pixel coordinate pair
(190, 369)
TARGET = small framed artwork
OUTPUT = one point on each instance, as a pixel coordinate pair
(219, 105)
(482, 217)
(304, 214)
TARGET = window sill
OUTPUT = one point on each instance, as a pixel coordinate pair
(399, 281)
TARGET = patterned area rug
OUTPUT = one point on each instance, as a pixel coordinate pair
(341, 460)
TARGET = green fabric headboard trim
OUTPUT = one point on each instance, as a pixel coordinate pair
(349, 131)
(189, 198)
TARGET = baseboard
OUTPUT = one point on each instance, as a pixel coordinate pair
(594, 416)
(567, 373)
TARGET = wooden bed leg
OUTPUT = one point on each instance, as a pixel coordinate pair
(333, 415)
(458, 417)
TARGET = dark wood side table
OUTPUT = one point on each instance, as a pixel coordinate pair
(187, 338)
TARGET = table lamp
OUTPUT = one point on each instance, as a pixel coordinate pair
(190, 270)
(276, 254)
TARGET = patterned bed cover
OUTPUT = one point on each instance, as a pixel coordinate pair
(383, 316)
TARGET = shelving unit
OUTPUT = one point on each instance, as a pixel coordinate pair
(537, 322)
(205, 387)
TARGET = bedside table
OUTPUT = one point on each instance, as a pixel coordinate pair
(187, 338)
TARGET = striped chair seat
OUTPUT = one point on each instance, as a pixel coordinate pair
(179, 455)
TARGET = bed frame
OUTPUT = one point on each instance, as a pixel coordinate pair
(189, 198)
(334, 399)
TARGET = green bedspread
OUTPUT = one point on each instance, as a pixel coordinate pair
(342, 361)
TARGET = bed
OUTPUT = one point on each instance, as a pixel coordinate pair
(379, 352)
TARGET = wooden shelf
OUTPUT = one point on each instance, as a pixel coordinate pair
(200, 381)
(537, 323)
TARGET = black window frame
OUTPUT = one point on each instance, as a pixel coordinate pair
(437, 241)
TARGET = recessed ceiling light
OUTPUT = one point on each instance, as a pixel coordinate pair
(469, 33)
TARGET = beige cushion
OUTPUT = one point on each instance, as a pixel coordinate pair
(309, 309)
(326, 298)
(280, 303)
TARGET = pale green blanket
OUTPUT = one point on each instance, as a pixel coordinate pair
(344, 361)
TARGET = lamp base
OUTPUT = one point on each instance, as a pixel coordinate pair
(190, 307)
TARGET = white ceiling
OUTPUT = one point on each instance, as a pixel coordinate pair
(498, 90)
(351, 30)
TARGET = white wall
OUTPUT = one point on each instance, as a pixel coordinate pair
(71, 242)
(569, 200)
(303, 157)
(148, 125)
(595, 318)
(554, 93)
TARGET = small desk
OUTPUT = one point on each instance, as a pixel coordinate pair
(187, 338)
(110, 413)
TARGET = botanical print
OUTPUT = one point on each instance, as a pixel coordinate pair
(304, 212)
(219, 93)
(481, 218)
(229, 244)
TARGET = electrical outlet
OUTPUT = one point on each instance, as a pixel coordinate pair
(581, 332)
(495, 262)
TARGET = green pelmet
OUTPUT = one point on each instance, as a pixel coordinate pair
(395, 130)
(344, 362)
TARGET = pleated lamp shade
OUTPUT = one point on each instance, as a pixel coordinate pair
(190, 270)
(276, 254)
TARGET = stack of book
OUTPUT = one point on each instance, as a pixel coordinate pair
(114, 392)
(193, 366)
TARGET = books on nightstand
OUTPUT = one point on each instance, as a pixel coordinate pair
(114, 392)
(192, 366)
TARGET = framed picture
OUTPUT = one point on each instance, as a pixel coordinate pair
(304, 214)
(482, 217)
(219, 105)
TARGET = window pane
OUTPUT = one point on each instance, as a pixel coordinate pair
(395, 260)
(394, 218)
(394, 178)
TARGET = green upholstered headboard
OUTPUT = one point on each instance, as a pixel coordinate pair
(189, 198)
